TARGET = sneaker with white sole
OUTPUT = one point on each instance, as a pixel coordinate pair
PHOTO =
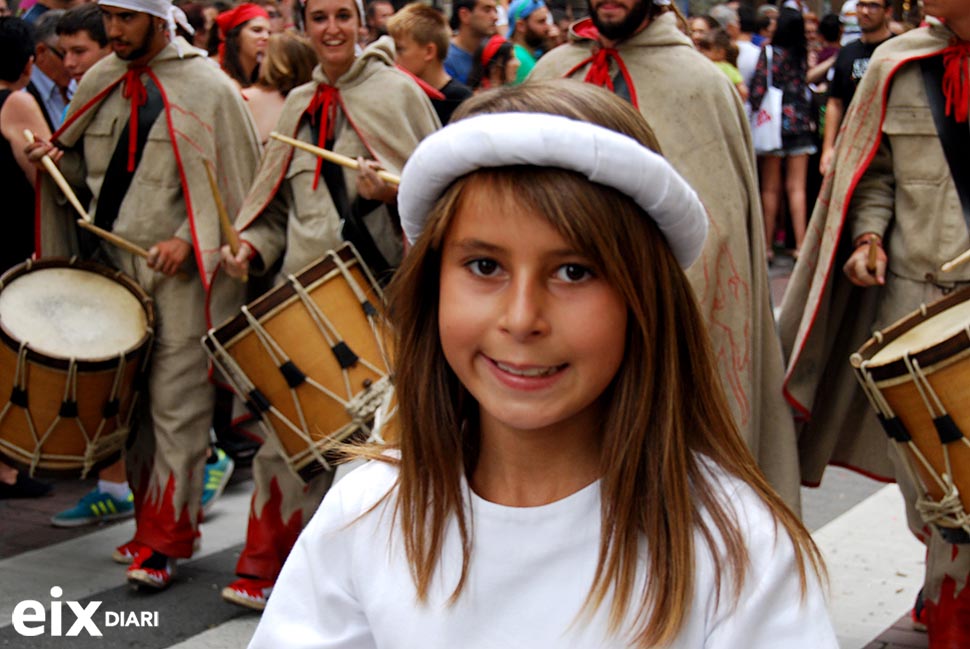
(151, 569)
(248, 592)
(94, 507)
(217, 474)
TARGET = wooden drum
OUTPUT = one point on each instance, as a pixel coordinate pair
(916, 374)
(308, 358)
(76, 337)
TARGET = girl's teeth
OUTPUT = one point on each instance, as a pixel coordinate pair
(531, 372)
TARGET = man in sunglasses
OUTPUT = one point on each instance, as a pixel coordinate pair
(851, 63)
(50, 82)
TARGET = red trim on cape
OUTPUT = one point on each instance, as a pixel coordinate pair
(431, 91)
(186, 196)
(289, 159)
(854, 469)
(803, 411)
(97, 99)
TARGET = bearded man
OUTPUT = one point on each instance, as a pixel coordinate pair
(635, 49)
(135, 143)
(528, 30)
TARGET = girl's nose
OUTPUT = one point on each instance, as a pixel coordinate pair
(524, 316)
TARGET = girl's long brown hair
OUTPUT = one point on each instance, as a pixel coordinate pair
(666, 408)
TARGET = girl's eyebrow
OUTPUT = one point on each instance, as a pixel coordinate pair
(478, 246)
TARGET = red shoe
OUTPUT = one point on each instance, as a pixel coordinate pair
(250, 593)
(948, 621)
(152, 569)
(126, 553)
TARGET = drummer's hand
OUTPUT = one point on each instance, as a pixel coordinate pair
(237, 265)
(168, 256)
(370, 185)
(37, 149)
(855, 268)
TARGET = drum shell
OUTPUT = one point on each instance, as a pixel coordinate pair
(288, 322)
(946, 366)
(90, 439)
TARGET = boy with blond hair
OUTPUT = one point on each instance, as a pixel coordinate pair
(421, 38)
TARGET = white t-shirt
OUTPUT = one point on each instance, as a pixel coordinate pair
(748, 54)
(347, 584)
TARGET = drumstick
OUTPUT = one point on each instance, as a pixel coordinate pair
(953, 263)
(871, 259)
(85, 220)
(113, 238)
(232, 237)
(335, 158)
(59, 179)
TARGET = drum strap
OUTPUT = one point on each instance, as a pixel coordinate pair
(954, 137)
(117, 177)
(354, 229)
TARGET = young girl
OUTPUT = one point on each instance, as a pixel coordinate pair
(789, 69)
(495, 64)
(568, 473)
(717, 46)
(239, 40)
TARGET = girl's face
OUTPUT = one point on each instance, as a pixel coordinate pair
(533, 333)
(712, 52)
(512, 68)
(332, 26)
(500, 75)
(253, 39)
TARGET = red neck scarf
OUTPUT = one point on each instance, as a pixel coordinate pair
(135, 91)
(323, 106)
(956, 79)
(599, 62)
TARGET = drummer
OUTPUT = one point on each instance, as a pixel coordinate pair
(147, 184)
(300, 207)
(890, 217)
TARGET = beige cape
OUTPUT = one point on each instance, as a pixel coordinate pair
(700, 123)
(206, 119)
(824, 318)
(388, 114)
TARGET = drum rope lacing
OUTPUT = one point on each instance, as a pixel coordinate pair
(882, 406)
(948, 511)
(94, 444)
(365, 303)
(361, 407)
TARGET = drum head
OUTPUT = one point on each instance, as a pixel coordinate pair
(933, 330)
(72, 313)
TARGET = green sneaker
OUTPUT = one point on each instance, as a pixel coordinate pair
(94, 507)
(217, 473)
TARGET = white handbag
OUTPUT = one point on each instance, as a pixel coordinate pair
(766, 122)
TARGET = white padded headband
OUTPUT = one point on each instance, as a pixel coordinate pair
(604, 156)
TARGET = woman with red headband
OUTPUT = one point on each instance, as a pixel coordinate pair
(495, 64)
(240, 40)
